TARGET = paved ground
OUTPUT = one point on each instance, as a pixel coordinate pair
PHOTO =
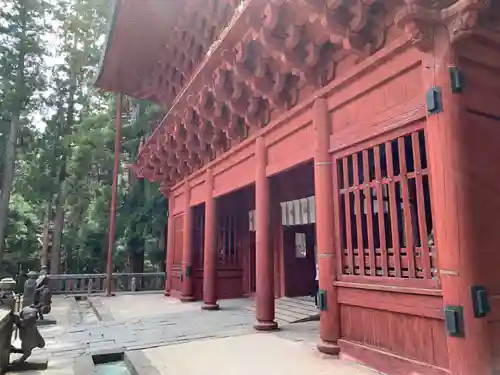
(247, 355)
(170, 333)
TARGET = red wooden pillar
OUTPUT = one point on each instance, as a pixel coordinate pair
(210, 250)
(170, 246)
(458, 257)
(187, 250)
(329, 330)
(264, 250)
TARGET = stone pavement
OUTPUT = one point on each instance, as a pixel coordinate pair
(247, 355)
(158, 327)
(170, 333)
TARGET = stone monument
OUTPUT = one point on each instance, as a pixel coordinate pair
(28, 333)
(30, 289)
(7, 303)
(25, 322)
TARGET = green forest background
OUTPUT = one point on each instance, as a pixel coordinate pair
(57, 145)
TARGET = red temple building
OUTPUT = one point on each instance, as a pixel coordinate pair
(366, 131)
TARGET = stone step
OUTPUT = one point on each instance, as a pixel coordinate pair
(306, 307)
(294, 309)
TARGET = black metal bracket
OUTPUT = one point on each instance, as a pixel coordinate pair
(434, 101)
(480, 301)
(456, 80)
(322, 304)
(182, 277)
(454, 321)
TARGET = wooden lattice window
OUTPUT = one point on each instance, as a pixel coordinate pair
(384, 213)
(178, 238)
(227, 241)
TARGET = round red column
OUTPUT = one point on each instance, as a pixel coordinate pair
(264, 254)
(329, 330)
(458, 238)
(187, 251)
(170, 247)
(210, 251)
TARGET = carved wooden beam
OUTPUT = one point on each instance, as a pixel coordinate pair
(461, 19)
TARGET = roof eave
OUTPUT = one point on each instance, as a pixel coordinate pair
(115, 7)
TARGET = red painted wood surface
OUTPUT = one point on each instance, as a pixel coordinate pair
(210, 247)
(363, 216)
(327, 252)
(419, 303)
(463, 206)
(389, 163)
(483, 172)
(391, 299)
(188, 250)
(170, 247)
(264, 252)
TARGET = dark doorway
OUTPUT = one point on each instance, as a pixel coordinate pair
(299, 259)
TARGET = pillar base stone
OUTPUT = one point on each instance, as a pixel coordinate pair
(329, 348)
(210, 306)
(265, 326)
(187, 299)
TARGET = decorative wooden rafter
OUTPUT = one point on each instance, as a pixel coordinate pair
(193, 31)
(284, 51)
(289, 45)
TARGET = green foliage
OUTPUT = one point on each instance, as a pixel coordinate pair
(23, 223)
(70, 152)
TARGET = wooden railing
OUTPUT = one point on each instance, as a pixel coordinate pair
(96, 283)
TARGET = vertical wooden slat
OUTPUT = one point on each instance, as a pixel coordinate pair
(338, 230)
(369, 213)
(359, 213)
(350, 251)
(410, 247)
(393, 207)
(381, 213)
(422, 223)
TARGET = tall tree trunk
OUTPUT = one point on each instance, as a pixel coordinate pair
(44, 256)
(55, 262)
(8, 178)
(10, 149)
